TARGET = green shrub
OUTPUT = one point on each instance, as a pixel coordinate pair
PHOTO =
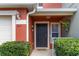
(15, 48)
(67, 46)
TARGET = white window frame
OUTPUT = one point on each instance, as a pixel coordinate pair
(59, 29)
(38, 6)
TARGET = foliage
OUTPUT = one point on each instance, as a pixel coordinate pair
(67, 46)
(15, 48)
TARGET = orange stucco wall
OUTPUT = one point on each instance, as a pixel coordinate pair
(52, 5)
(21, 32)
(20, 28)
(31, 36)
(23, 13)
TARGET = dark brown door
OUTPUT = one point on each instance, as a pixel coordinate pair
(41, 35)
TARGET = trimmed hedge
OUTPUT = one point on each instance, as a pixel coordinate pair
(67, 46)
(15, 48)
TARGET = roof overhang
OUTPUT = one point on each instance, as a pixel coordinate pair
(55, 11)
(30, 6)
(10, 12)
(15, 5)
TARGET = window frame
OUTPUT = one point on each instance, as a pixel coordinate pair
(38, 5)
(59, 29)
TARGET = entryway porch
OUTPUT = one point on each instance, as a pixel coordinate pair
(45, 25)
(43, 52)
(43, 29)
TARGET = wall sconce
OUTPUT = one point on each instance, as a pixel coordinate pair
(32, 28)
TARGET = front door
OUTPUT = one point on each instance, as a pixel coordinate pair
(41, 35)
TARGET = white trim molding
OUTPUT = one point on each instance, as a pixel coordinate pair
(58, 10)
(10, 12)
(55, 11)
(43, 22)
(21, 21)
(59, 29)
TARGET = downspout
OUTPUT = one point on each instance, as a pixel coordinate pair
(27, 25)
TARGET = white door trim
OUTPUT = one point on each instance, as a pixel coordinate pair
(59, 28)
(40, 22)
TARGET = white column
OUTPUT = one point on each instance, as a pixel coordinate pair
(27, 28)
(13, 27)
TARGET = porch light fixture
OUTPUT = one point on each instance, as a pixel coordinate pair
(32, 27)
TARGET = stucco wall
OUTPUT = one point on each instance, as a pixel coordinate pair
(31, 34)
(74, 27)
(52, 5)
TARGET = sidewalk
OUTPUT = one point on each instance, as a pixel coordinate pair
(43, 52)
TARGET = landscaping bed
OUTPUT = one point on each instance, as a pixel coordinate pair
(15, 48)
(66, 46)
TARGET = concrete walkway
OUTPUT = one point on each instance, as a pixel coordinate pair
(43, 52)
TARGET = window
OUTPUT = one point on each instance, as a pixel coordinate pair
(55, 30)
(40, 5)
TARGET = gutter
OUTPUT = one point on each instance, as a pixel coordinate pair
(58, 10)
(27, 25)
